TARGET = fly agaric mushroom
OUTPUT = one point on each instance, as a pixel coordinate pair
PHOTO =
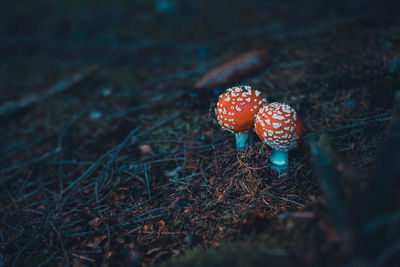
(279, 126)
(236, 109)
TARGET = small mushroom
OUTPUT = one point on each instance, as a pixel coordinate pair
(236, 109)
(279, 126)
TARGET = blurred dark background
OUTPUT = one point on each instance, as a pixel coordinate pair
(51, 37)
(336, 62)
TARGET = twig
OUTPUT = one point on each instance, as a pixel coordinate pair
(114, 154)
(296, 214)
(60, 239)
(15, 148)
(11, 107)
(23, 165)
(158, 125)
(282, 198)
(91, 169)
(147, 181)
(353, 125)
(22, 250)
(142, 161)
(11, 227)
(82, 257)
(108, 243)
(135, 207)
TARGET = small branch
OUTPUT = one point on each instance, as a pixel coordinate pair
(282, 198)
(147, 181)
(297, 215)
(53, 152)
(11, 107)
(350, 126)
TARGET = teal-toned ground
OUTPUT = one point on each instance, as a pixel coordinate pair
(110, 156)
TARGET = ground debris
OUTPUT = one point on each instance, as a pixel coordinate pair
(154, 178)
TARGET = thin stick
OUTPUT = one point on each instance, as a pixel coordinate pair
(282, 198)
(147, 181)
(11, 107)
(58, 149)
(353, 125)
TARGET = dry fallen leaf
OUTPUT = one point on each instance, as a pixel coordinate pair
(234, 70)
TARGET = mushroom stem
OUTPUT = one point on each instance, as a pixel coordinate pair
(279, 158)
(244, 140)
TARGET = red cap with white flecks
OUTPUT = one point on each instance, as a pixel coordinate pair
(237, 107)
(279, 126)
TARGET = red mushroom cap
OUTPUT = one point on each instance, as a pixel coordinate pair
(279, 126)
(237, 107)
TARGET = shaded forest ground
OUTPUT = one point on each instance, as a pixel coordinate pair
(116, 159)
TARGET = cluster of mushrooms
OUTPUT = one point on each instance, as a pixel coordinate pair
(241, 110)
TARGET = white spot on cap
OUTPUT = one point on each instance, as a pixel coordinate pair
(277, 125)
(278, 117)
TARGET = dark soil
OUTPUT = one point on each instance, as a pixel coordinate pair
(126, 165)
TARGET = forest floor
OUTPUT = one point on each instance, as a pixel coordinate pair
(111, 156)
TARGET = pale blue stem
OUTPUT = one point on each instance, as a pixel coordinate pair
(279, 158)
(244, 140)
